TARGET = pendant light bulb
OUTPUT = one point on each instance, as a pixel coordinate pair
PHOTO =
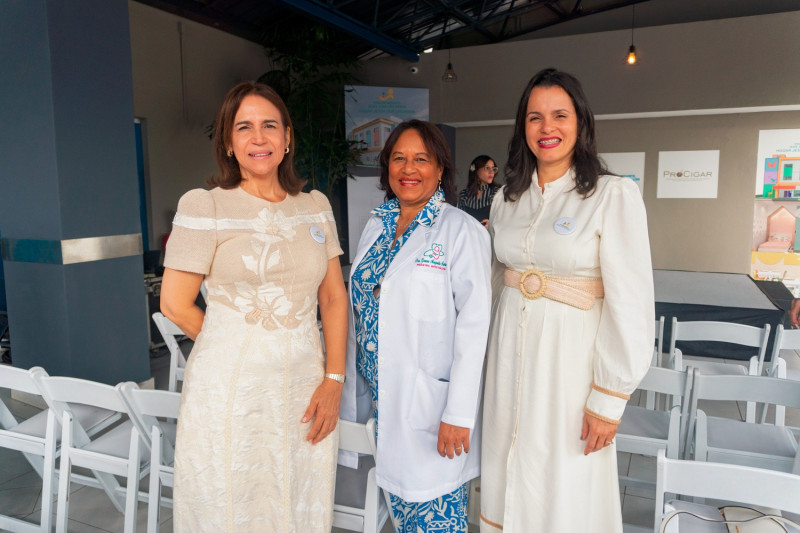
(449, 74)
(631, 60)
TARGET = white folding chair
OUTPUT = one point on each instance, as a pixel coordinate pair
(726, 440)
(646, 431)
(784, 340)
(358, 505)
(730, 483)
(39, 443)
(159, 435)
(116, 452)
(36, 439)
(718, 332)
(177, 360)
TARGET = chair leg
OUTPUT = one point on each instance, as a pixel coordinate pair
(154, 499)
(48, 474)
(62, 512)
(132, 487)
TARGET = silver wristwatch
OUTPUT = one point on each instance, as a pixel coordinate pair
(338, 378)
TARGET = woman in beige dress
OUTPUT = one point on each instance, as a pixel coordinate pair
(572, 322)
(256, 439)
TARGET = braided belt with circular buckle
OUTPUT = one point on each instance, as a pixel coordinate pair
(577, 292)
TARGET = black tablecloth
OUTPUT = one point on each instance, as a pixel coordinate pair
(719, 297)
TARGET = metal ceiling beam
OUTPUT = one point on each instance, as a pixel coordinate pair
(354, 27)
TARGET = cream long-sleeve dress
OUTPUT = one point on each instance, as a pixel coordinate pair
(549, 362)
(242, 461)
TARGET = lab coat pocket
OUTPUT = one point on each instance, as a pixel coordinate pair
(428, 297)
(429, 401)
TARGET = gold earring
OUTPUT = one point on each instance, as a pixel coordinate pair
(287, 149)
(230, 153)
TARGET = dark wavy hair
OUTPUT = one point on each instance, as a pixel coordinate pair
(473, 181)
(435, 144)
(521, 163)
(230, 174)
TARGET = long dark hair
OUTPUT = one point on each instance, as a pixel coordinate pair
(521, 162)
(473, 181)
(435, 143)
(230, 174)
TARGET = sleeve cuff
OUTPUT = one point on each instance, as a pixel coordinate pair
(606, 405)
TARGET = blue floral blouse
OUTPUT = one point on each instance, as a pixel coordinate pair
(368, 277)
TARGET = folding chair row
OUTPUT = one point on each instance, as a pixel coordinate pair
(84, 424)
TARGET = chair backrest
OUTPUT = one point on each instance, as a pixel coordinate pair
(146, 405)
(666, 381)
(168, 331)
(741, 388)
(784, 340)
(62, 390)
(706, 330)
(727, 482)
(177, 361)
(659, 341)
(14, 379)
(58, 392)
(354, 437)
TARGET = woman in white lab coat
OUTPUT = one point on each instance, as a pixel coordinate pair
(419, 317)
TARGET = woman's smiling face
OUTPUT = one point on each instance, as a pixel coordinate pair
(259, 138)
(551, 128)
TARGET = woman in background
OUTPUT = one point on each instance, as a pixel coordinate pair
(477, 198)
(256, 444)
(572, 321)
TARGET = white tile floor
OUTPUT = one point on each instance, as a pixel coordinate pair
(91, 511)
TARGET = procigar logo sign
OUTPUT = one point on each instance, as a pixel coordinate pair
(688, 174)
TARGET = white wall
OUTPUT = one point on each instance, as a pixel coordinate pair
(742, 62)
(174, 114)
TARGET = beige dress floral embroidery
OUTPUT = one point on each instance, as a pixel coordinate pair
(242, 462)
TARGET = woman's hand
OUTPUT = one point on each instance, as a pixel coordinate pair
(794, 313)
(323, 409)
(597, 433)
(452, 440)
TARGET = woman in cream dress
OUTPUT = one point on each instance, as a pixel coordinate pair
(256, 444)
(572, 322)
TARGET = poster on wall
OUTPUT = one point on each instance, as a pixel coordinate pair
(628, 165)
(371, 113)
(778, 164)
(688, 174)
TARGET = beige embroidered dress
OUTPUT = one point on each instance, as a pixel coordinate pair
(242, 462)
(548, 362)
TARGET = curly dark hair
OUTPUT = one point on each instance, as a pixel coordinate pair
(587, 165)
(435, 143)
(230, 174)
(473, 181)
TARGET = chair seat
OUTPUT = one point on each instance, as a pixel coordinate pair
(87, 416)
(752, 438)
(350, 483)
(696, 525)
(715, 367)
(642, 422)
(116, 443)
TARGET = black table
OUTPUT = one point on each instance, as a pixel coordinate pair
(719, 297)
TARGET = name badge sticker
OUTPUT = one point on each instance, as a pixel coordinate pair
(564, 225)
(317, 234)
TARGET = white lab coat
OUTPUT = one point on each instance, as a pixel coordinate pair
(432, 331)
